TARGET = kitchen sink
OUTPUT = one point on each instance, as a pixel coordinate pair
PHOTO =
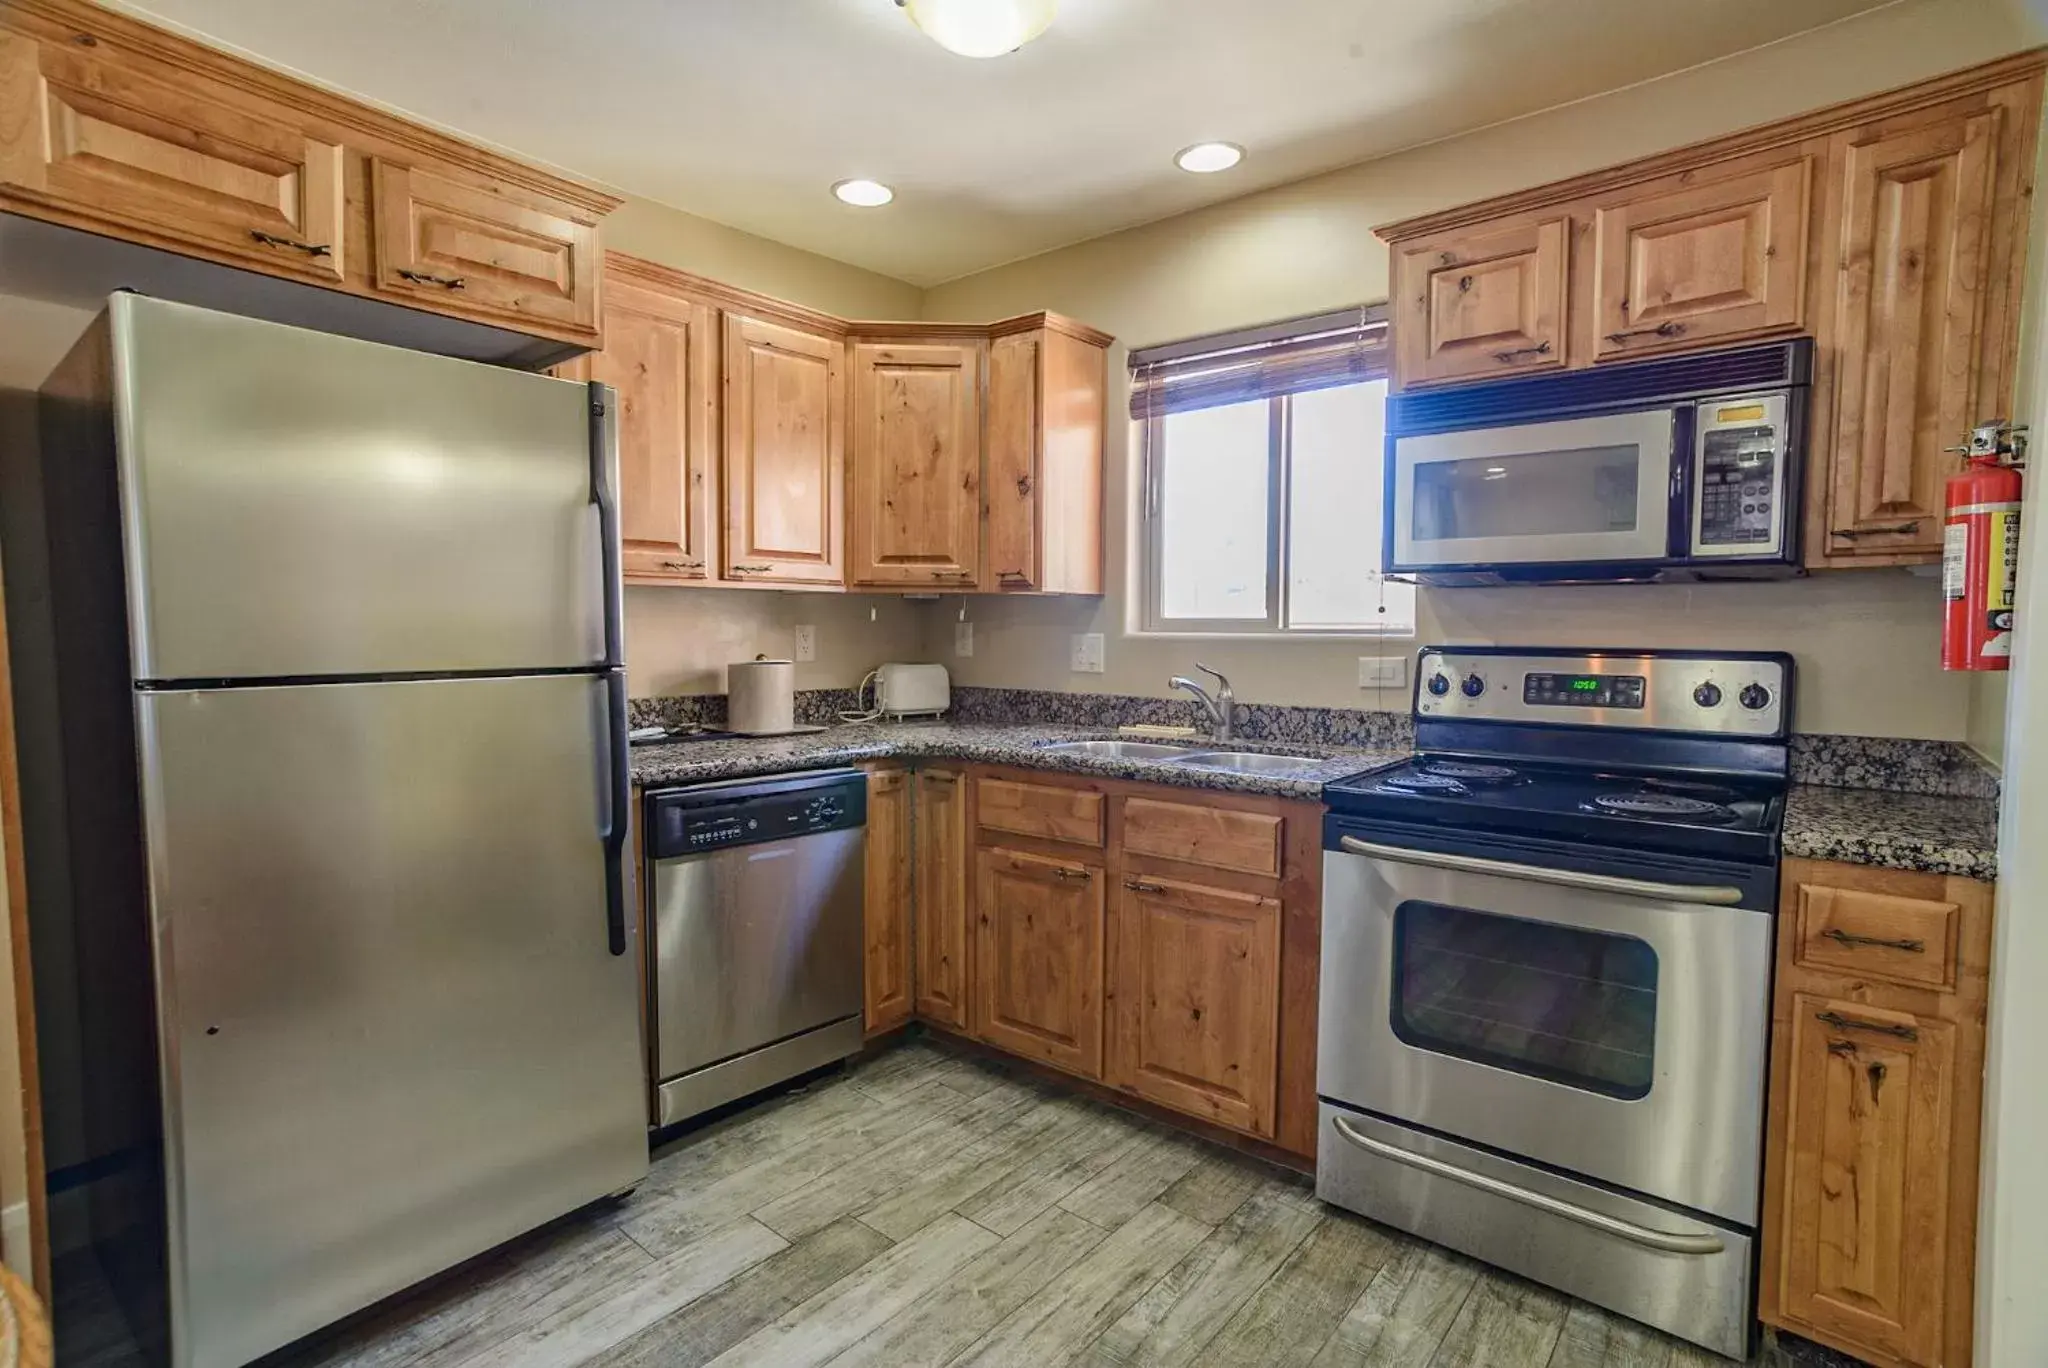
(1117, 750)
(1247, 762)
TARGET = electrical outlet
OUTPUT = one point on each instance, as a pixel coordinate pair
(963, 638)
(1087, 653)
(1382, 672)
(806, 642)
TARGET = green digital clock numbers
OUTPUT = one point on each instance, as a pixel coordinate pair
(1586, 685)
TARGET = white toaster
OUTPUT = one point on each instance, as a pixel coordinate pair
(912, 690)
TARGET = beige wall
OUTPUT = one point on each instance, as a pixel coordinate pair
(1866, 642)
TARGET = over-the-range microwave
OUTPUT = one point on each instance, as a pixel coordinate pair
(1686, 468)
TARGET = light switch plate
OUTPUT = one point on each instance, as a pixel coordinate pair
(806, 643)
(1087, 652)
(963, 638)
(1382, 672)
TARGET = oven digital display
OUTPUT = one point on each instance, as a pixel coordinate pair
(1584, 691)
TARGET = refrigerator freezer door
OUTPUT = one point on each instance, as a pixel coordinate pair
(393, 1033)
(299, 504)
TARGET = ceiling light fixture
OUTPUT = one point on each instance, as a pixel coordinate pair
(1205, 157)
(865, 194)
(980, 28)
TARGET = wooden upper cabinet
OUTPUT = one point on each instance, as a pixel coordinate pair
(1912, 307)
(1047, 404)
(119, 145)
(660, 354)
(1685, 263)
(942, 874)
(916, 458)
(1196, 1011)
(1038, 958)
(886, 972)
(1479, 304)
(484, 251)
(785, 423)
(1865, 1221)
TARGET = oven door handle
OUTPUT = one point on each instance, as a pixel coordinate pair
(1717, 895)
(1664, 1241)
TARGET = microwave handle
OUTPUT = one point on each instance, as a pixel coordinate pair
(1685, 437)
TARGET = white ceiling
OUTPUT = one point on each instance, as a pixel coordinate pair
(745, 111)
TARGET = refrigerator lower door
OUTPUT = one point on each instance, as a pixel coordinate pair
(392, 1031)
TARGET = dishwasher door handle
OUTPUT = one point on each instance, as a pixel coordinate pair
(1718, 895)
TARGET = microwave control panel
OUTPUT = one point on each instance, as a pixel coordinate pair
(1739, 476)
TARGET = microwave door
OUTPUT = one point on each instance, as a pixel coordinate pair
(1576, 490)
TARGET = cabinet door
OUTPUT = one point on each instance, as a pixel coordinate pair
(661, 355)
(887, 993)
(1909, 319)
(485, 252)
(1015, 482)
(1196, 1015)
(1701, 263)
(1865, 1213)
(785, 421)
(1489, 303)
(153, 155)
(916, 464)
(1038, 958)
(942, 896)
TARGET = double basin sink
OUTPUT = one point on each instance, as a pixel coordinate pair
(1238, 761)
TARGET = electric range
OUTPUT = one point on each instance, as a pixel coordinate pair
(1546, 973)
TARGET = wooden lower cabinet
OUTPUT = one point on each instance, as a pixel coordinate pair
(940, 844)
(1870, 1193)
(1038, 957)
(887, 994)
(1195, 999)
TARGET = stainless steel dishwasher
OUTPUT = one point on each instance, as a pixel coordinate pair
(757, 898)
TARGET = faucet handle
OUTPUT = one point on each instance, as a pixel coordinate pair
(1222, 679)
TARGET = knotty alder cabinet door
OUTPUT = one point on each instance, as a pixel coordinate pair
(785, 480)
(1481, 304)
(1038, 957)
(1195, 1010)
(916, 504)
(941, 879)
(144, 151)
(661, 356)
(886, 972)
(1701, 263)
(1047, 394)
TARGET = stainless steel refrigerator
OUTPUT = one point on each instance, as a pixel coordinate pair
(336, 633)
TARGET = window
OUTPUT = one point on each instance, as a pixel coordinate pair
(1263, 483)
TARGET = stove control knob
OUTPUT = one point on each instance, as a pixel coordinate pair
(1707, 695)
(1473, 686)
(1439, 684)
(1754, 696)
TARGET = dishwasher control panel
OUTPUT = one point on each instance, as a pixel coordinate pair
(691, 821)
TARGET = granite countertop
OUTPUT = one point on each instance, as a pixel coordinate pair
(696, 762)
(1932, 833)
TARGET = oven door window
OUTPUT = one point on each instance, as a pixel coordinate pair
(1559, 1003)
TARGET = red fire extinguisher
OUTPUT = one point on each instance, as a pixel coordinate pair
(1980, 556)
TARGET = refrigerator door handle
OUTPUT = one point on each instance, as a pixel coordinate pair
(619, 801)
(604, 461)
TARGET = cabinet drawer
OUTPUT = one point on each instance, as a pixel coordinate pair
(1881, 935)
(1219, 838)
(1044, 810)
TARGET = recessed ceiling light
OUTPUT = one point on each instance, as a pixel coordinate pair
(980, 28)
(865, 193)
(1208, 156)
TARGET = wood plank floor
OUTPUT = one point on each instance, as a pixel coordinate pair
(923, 1208)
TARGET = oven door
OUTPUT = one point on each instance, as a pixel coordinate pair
(1610, 1026)
(1578, 490)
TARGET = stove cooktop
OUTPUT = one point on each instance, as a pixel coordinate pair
(1709, 814)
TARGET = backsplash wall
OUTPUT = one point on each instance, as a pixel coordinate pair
(679, 641)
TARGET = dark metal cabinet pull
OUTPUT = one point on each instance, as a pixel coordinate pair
(1065, 873)
(752, 569)
(940, 777)
(318, 249)
(1140, 886)
(1852, 533)
(428, 278)
(1504, 357)
(682, 565)
(1842, 1023)
(1907, 944)
(1661, 330)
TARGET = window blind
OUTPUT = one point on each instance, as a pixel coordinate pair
(1344, 347)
